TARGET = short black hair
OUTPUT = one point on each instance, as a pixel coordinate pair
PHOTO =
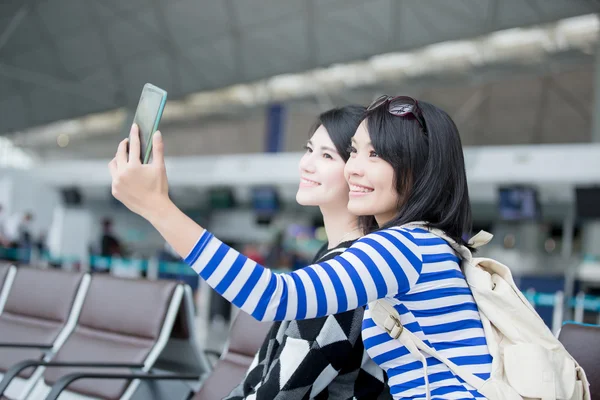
(341, 124)
(429, 169)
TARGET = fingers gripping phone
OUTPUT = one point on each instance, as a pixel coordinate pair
(147, 117)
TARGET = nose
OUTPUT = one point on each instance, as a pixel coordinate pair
(354, 167)
(307, 164)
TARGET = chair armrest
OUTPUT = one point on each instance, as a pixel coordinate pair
(13, 371)
(27, 345)
(66, 380)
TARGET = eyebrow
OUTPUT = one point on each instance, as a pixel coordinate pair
(331, 149)
(326, 148)
(354, 141)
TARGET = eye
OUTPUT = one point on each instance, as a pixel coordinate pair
(373, 154)
(327, 156)
(306, 148)
(351, 149)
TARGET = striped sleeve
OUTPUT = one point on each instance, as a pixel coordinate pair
(381, 264)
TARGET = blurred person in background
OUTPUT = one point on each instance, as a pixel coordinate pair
(18, 235)
(41, 244)
(406, 165)
(18, 229)
(110, 245)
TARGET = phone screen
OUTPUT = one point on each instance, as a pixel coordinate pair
(147, 117)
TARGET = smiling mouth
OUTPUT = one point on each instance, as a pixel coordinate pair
(307, 182)
(360, 190)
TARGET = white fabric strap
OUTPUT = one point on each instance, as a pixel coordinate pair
(471, 379)
(387, 318)
(480, 239)
(476, 241)
(412, 348)
(385, 315)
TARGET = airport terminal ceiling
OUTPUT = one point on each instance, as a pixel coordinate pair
(518, 109)
(63, 59)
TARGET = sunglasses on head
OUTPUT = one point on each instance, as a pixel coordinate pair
(401, 106)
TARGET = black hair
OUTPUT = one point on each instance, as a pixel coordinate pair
(341, 124)
(429, 169)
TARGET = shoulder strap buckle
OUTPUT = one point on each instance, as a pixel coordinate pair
(393, 326)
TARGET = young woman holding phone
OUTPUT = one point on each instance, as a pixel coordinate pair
(406, 165)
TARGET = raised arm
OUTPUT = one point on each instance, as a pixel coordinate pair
(381, 264)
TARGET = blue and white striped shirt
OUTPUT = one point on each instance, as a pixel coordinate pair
(413, 268)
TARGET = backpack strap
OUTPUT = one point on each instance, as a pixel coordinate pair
(387, 318)
(480, 239)
(335, 250)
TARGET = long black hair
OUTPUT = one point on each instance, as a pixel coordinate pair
(341, 124)
(429, 169)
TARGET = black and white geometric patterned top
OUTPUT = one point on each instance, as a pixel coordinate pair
(320, 358)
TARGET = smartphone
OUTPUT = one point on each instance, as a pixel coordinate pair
(147, 117)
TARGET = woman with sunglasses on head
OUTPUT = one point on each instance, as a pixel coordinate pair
(320, 358)
(406, 165)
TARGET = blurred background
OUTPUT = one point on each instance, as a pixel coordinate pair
(246, 80)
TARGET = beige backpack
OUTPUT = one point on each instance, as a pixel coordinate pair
(528, 361)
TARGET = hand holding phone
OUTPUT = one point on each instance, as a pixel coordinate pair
(147, 117)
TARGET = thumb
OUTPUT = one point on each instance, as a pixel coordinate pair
(158, 154)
